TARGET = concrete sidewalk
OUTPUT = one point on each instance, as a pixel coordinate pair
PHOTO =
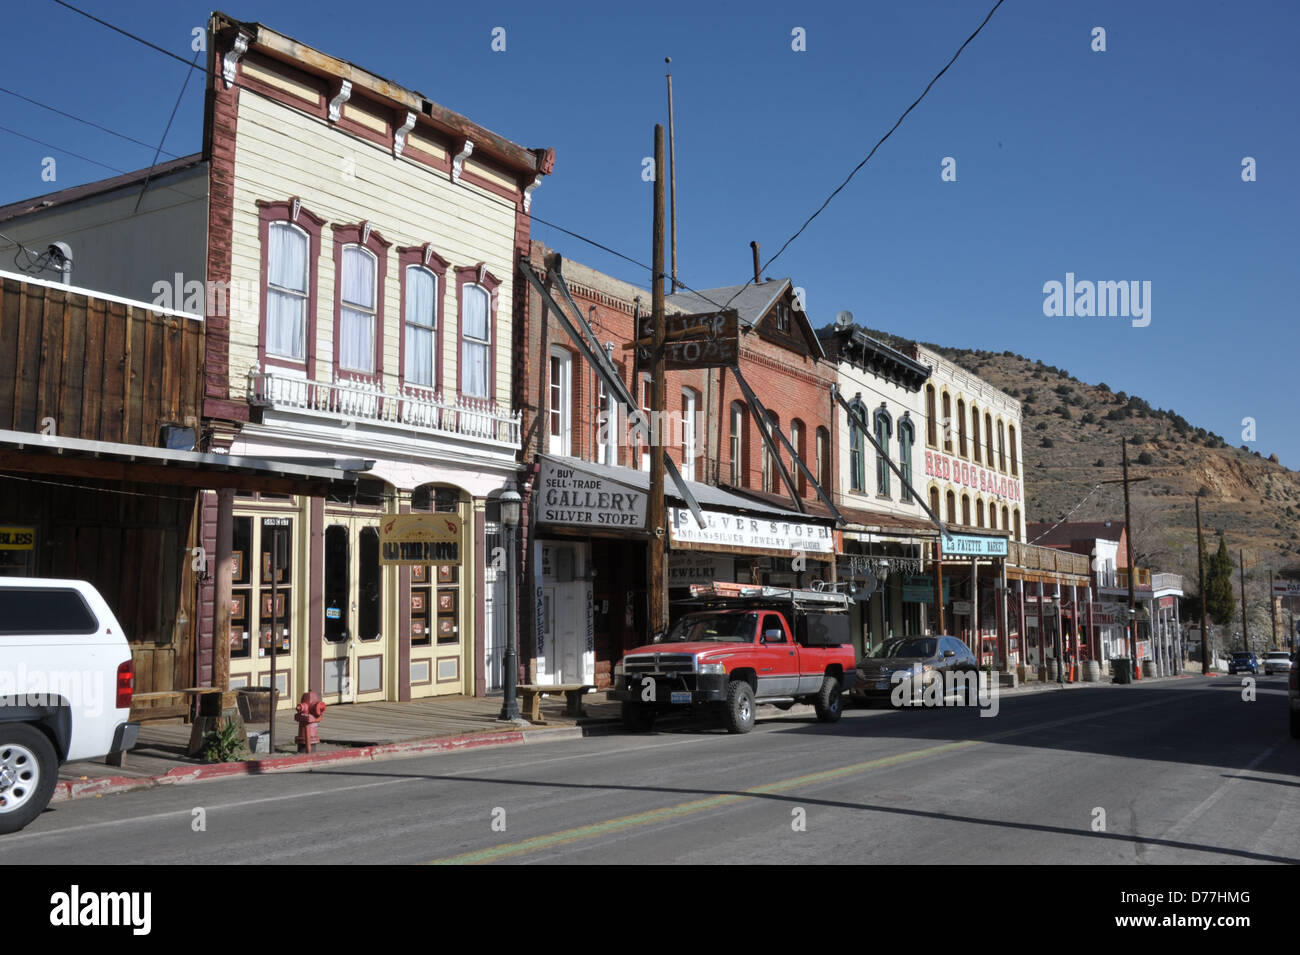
(348, 733)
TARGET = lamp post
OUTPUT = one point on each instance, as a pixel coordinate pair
(510, 505)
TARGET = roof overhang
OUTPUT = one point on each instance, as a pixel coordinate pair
(23, 452)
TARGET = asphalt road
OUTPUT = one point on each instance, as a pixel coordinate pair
(1181, 771)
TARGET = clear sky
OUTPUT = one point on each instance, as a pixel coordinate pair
(1122, 165)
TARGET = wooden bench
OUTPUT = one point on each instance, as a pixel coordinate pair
(533, 693)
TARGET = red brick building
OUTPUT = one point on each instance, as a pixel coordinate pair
(586, 575)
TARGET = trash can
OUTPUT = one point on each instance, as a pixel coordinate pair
(256, 703)
(1122, 668)
(1148, 668)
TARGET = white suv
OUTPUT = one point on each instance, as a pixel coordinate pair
(65, 688)
(1277, 661)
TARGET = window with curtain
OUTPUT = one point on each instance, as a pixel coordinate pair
(689, 401)
(884, 431)
(421, 326)
(476, 340)
(286, 291)
(906, 438)
(356, 329)
(857, 448)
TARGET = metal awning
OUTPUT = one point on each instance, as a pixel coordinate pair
(27, 453)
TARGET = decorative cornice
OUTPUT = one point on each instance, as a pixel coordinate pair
(399, 134)
(458, 163)
(528, 192)
(342, 96)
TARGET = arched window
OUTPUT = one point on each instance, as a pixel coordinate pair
(906, 438)
(1015, 457)
(824, 460)
(988, 438)
(961, 427)
(738, 445)
(884, 431)
(475, 341)
(952, 508)
(857, 448)
(421, 293)
(286, 291)
(975, 433)
(947, 423)
(1016, 517)
(993, 516)
(979, 512)
(1002, 449)
(934, 500)
(1006, 519)
(356, 329)
(771, 470)
(796, 442)
(930, 434)
(965, 509)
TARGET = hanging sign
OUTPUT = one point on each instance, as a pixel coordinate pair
(419, 539)
(971, 545)
(757, 533)
(567, 495)
(17, 538)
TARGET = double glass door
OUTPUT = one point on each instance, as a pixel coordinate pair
(355, 649)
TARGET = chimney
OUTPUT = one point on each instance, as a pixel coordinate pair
(757, 276)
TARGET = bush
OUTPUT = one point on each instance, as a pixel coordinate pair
(1146, 458)
(1047, 442)
(1088, 418)
(1099, 463)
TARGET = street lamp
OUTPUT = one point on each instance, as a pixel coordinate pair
(510, 502)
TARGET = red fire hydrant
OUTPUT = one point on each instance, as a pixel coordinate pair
(308, 713)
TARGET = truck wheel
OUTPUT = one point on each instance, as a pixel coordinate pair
(828, 702)
(637, 718)
(28, 772)
(740, 707)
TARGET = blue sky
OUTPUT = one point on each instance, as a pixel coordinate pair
(1116, 165)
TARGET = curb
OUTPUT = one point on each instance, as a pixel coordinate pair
(66, 790)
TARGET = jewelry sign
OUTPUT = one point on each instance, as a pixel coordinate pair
(749, 533)
(420, 539)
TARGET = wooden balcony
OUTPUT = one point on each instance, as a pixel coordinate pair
(1033, 557)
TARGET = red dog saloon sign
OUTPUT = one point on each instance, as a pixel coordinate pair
(947, 468)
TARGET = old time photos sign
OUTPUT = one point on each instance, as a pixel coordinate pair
(569, 495)
(420, 539)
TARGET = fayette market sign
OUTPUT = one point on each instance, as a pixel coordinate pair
(749, 533)
(971, 545)
(567, 495)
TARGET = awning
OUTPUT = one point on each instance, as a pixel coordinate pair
(26, 453)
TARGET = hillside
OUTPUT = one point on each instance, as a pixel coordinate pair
(1071, 437)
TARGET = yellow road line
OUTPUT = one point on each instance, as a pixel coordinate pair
(623, 823)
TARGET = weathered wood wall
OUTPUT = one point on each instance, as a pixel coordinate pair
(102, 370)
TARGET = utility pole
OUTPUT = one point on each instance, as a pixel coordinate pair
(1241, 564)
(655, 506)
(672, 170)
(1200, 569)
(1272, 610)
(1132, 571)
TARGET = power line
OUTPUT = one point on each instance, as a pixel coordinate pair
(111, 132)
(41, 142)
(127, 33)
(168, 129)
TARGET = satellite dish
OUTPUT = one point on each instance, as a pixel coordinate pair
(844, 319)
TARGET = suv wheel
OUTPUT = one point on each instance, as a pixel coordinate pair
(828, 702)
(740, 707)
(28, 772)
(637, 718)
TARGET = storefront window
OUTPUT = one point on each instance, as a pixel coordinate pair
(273, 604)
(435, 590)
(241, 591)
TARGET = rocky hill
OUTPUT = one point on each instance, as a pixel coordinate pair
(1071, 436)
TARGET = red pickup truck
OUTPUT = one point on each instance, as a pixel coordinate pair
(732, 651)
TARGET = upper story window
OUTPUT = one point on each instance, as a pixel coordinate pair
(771, 469)
(952, 508)
(961, 427)
(477, 293)
(643, 433)
(423, 274)
(796, 442)
(290, 240)
(561, 402)
(781, 317)
(979, 512)
(607, 426)
(421, 316)
(736, 444)
(356, 325)
(884, 431)
(931, 437)
(947, 422)
(286, 291)
(1002, 449)
(857, 447)
(690, 402)
(906, 438)
(934, 500)
(1015, 458)
(965, 509)
(988, 438)
(824, 459)
(975, 433)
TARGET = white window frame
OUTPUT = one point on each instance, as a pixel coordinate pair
(560, 392)
(346, 306)
(690, 405)
(304, 296)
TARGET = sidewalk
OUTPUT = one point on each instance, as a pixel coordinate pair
(348, 733)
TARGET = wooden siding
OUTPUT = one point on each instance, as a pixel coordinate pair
(101, 370)
(281, 152)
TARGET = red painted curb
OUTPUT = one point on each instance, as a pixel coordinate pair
(65, 790)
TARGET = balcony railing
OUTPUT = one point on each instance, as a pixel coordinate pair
(1166, 581)
(1034, 557)
(417, 409)
(1141, 582)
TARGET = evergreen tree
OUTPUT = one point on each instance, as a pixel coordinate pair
(1220, 603)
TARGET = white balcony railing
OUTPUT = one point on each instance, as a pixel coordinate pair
(417, 409)
(1167, 582)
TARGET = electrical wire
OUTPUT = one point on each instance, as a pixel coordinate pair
(1067, 515)
(127, 33)
(41, 142)
(78, 119)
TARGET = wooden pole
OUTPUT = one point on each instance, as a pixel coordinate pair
(1132, 570)
(938, 583)
(1241, 564)
(1200, 570)
(1272, 612)
(672, 171)
(657, 582)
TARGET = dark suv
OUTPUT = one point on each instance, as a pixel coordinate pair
(1243, 662)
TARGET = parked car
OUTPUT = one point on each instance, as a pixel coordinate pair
(739, 648)
(66, 680)
(920, 660)
(1277, 661)
(1243, 662)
